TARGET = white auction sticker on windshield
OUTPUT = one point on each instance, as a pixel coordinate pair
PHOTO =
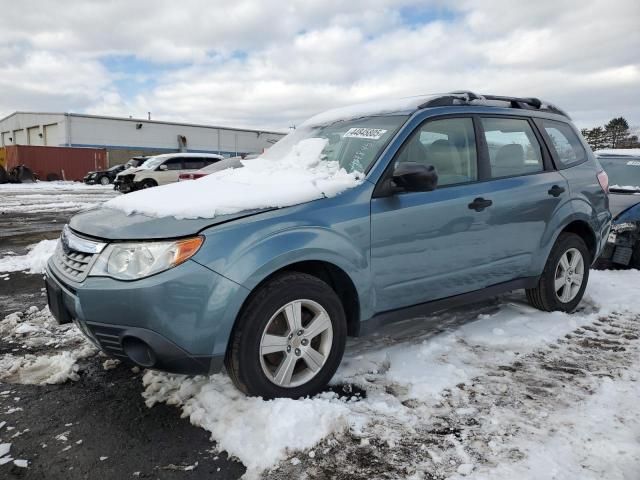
(368, 133)
(635, 163)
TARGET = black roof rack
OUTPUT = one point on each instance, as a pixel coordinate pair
(469, 98)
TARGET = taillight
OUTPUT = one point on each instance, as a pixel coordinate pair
(603, 179)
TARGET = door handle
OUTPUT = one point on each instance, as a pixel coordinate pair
(480, 204)
(555, 191)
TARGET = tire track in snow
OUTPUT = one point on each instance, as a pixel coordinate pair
(481, 424)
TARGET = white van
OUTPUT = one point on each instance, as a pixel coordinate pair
(163, 169)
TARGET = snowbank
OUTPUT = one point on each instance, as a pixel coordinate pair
(406, 381)
(299, 176)
(34, 261)
(259, 433)
(34, 330)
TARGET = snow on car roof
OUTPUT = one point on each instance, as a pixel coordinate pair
(383, 107)
(619, 152)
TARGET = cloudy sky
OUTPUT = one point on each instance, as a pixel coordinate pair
(270, 64)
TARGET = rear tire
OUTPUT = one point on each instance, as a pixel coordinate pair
(567, 264)
(265, 344)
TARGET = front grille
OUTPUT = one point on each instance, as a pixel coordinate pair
(108, 339)
(75, 255)
(73, 264)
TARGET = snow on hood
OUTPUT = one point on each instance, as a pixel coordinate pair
(298, 176)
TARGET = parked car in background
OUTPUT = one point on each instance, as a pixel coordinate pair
(623, 244)
(272, 292)
(163, 169)
(103, 177)
(233, 162)
(130, 166)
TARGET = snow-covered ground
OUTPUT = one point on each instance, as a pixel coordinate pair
(52, 197)
(34, 261)
(502, 392)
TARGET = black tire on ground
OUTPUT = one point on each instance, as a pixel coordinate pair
(148, 183)
(544, 296)
(104, 180)
(243, 360)
(635, 258)
(25, 174)
(4, 176)
(52, 177)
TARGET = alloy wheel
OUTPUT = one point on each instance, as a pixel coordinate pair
(569, 275)
(296, 343)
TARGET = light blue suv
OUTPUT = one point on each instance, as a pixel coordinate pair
(461, 197)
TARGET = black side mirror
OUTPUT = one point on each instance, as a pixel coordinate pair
(415, 177)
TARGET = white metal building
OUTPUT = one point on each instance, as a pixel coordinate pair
(127, 137)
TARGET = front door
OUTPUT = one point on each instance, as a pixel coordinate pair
(169, 174)
(433, 244)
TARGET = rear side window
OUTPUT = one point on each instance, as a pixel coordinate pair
(208, 161)
(193, 163)
(449, 145)
(513, 147)
(569, 149)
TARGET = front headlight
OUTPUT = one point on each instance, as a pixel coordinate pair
(132, 261)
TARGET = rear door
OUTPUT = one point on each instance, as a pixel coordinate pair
(191, 164)
(525, 191)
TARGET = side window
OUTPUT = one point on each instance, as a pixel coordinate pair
(513, 147)
(449, 145)
(174, 164)
(208, 161)
(193, 163)
(569, 149)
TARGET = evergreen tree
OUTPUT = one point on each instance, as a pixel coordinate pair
(617, 131)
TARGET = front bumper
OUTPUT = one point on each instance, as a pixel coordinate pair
(179, 320)
(89, 180)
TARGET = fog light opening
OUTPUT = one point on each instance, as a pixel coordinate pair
(139, 352)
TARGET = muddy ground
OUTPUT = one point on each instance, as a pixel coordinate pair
(102, 414)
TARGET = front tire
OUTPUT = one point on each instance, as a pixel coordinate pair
(289, 338)
(104, 180)
(148, 183)
(565, 276)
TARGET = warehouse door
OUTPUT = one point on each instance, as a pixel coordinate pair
(34, 137)
(51, 135)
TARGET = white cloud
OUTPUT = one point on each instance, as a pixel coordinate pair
(267, 63)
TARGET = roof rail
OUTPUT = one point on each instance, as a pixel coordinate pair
(469, 98)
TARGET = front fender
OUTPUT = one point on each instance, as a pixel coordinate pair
(335, 230)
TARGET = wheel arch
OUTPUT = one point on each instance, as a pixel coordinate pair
(584, 231)
(332, 275)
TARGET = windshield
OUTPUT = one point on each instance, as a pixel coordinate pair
(354, 144)
(624, 173)
(115, 167)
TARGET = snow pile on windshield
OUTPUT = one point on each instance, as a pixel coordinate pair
(34, 261)
(299, 175)
(500, 390)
